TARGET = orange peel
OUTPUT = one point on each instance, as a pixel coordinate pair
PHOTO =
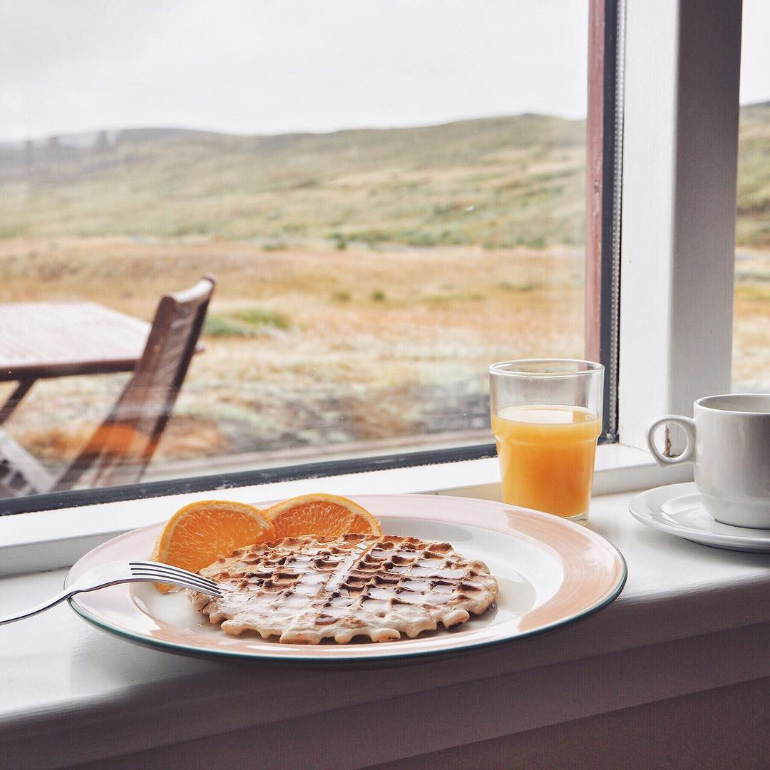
(202, 531)
(321, 514)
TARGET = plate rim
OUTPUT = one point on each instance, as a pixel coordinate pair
(374, 653)
(645, 512)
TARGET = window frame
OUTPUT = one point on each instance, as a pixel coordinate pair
(599, 123)
(604, 164)
(664, 261)
(223, 481)
(682, 80)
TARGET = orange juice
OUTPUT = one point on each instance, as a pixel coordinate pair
(547, 457)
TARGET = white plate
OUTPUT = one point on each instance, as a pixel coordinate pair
(678, 510)
(551, 572)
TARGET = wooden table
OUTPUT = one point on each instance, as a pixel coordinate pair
(61, 339)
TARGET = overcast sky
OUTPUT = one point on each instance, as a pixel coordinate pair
(271, 66)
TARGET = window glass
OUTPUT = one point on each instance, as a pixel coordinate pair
(389, 194)
(751, 331)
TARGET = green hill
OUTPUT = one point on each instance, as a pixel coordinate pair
(753, 223)
(498, 182)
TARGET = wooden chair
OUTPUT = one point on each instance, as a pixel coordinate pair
(122, 446)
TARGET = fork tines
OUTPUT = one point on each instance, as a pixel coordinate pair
(168, 573)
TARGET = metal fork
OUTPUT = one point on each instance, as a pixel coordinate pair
(123, 572)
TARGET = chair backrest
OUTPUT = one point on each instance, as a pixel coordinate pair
(20, 473)
(122, 446)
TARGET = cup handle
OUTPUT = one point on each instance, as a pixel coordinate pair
(687, 424)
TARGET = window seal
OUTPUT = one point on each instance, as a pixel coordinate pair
(320, 469)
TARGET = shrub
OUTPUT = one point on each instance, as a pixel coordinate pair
(258, 316)
(218, 326)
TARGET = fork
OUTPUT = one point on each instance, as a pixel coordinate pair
(117, 572)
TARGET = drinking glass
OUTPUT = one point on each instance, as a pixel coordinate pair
(546, 419)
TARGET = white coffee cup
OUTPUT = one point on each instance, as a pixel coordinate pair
(729, 442)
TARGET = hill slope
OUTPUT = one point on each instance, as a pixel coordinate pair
(497, 182)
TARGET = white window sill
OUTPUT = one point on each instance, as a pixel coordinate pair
(685, 644)
(45, 540)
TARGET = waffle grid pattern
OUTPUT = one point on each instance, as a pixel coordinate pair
(307, 589)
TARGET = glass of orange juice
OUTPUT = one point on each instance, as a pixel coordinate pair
(546, 419)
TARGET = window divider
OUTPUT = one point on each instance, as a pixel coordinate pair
(604, 162)
(679, 201)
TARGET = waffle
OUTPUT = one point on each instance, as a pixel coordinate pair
(306, 589)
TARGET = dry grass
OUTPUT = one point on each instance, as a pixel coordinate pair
(371, 345)
(316, 346)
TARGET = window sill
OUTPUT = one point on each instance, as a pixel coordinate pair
(685, 644)
(45, 540)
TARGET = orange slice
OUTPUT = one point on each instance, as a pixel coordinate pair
(323, 515)
(199, 533)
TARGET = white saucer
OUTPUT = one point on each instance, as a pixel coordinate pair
(678, 510)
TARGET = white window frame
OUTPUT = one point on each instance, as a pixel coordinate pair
(678, 235)
(679, 202)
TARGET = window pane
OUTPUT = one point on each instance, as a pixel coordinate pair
(390, 195)
(751, 335)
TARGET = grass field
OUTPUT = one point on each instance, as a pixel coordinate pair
(366, 279)
(314, 346)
